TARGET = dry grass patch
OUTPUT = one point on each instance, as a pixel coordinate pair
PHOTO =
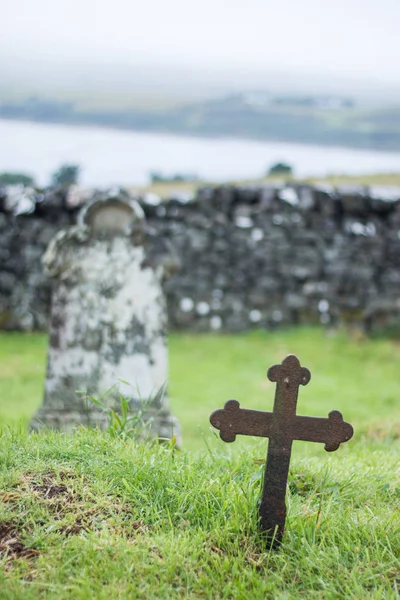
(12, 545)
(67, 502)
(382, 432)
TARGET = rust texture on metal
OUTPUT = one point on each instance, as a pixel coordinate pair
(281, 426)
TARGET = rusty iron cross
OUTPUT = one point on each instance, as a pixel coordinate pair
(282, 426)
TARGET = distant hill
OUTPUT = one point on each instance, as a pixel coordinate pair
(324, 120)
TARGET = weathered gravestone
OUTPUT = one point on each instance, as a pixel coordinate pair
(282, 426)
(108, 321)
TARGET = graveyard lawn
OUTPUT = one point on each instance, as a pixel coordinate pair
(91, 516)
(88, 515)
(357, 376)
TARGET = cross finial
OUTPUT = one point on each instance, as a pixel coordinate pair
(282, 426)
(288, 376)
(290, 371)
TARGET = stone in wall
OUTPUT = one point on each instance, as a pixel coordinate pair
(108, 322)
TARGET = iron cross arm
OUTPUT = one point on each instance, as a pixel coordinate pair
(233, 420)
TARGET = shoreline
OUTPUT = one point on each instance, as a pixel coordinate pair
(196, 135)
(116, 156)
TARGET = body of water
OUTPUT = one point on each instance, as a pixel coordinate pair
(113, 157)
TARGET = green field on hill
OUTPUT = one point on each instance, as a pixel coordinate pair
(289, 119)
(167, 189)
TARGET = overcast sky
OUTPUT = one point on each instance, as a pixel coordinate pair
(350, 39)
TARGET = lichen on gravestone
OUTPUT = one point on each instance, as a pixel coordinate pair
(108, 322)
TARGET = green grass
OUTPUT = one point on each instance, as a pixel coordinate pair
(361, 378)
(22, 370)
(90, 516)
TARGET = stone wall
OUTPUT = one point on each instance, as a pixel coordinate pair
(249, 256)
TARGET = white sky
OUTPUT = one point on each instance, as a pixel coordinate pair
(350, 38)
